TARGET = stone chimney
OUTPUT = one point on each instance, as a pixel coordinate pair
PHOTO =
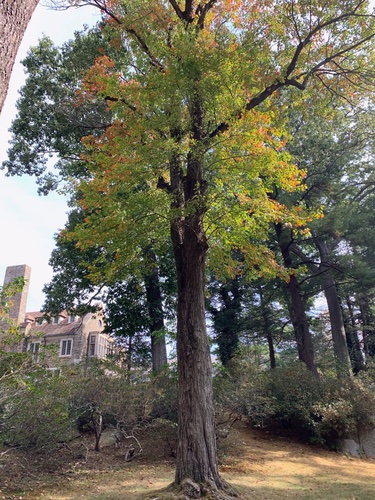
(18, 310)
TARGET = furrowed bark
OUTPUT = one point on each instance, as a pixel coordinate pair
(197, 461)
(14, 18)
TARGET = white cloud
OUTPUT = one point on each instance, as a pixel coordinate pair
(28, 222)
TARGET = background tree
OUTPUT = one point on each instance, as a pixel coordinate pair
(332, 152)
(58, 126)
(225, 308)
(134, 305)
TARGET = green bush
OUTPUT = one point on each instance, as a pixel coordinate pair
(165, 395)
(240, 392)
(291, 399)
(36, 413)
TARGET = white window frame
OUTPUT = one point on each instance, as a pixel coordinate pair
(64, 343)
(33, 348)
(103, 347)
(94, 344)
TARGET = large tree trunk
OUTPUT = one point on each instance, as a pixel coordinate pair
(155, 309)
(197, 456)
(197, 461)
(340, 347)
(14, 18)
(296, 306)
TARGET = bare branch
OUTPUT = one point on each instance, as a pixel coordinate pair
(153, 61)
(177, 9)
(103, 7)
(306, 76)
(188, 13)
(202, 12)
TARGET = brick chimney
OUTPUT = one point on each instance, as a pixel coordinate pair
(19, 301)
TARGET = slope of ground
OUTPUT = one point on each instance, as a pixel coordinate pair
(257, 464)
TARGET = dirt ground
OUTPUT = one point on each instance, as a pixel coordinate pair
(260, 466)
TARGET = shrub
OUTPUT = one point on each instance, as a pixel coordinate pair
(38, 411)
(240, 391)
(35, 413)
(291, 399)
(165, 395)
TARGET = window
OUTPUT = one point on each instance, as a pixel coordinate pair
(33, 348)
(102, 347)
(92, 345)
(55, 320)
(53, 372)
(72, 319)
(66, 347)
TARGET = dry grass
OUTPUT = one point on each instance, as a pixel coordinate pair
(258, 465)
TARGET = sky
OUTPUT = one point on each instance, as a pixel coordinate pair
(28, 222)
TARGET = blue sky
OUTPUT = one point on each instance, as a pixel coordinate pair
(28, 222)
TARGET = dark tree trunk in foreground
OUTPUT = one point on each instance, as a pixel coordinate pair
(197, 445)
(14, 18)
(296, 307)
(197, 461)
(155, 309)
(197, 465)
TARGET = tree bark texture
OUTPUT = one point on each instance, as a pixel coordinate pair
(14, 18)
(197, 461)
(196, 457)
(197, 464)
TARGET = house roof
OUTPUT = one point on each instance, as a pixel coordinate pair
(64, 327)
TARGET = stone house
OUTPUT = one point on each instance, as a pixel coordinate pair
(65, 339)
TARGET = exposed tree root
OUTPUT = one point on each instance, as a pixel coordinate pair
(188, 490)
